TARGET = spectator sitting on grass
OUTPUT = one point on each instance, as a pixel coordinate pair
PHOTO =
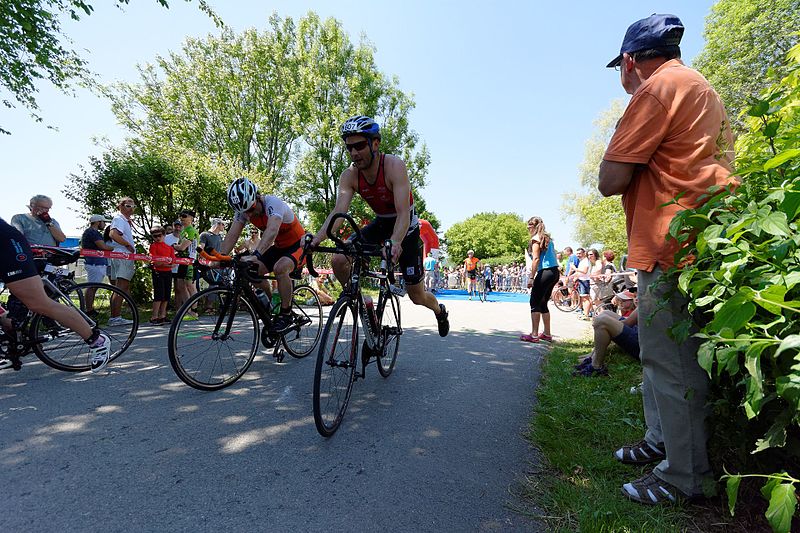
(608, 326)
(318, 285)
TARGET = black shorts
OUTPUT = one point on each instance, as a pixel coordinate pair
(410, 260)
(16, 258)
(471, 274)
(271, 256)
(162, 285)
(185, 272)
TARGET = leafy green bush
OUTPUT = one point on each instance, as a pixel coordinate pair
(741, 267)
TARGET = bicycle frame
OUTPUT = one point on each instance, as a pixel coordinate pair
(250, 295)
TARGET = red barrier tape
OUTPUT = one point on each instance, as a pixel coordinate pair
(85, 252)
(140, 257)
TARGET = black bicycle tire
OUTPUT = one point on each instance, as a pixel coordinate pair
(175, 359)
(561, 306)
(37, 319)
(287, 341)
(385, 366)
(342, 306)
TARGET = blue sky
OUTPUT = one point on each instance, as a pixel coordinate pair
(505, 92)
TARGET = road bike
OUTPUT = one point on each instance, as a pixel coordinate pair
(565, 296)
(55, 345)
(338, 358)
(214, 350)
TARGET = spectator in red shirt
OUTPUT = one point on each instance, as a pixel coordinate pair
(162, 275)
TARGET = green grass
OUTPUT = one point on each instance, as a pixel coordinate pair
(577, 424)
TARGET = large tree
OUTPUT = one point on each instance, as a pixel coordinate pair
(161, 180)
(272, 102)
(339, 79)
(228, 96)
(489, 235)
(595, 219)
(746, 42)
(33, 47)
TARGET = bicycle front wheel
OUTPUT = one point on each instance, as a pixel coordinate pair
(63, 349)
(205, 352)
(390, 331)
(336, 367)
(302, 338)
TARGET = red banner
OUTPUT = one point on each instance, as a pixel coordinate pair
(85, 252)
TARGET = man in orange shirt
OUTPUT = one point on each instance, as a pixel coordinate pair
(471, 271)
(673, 138)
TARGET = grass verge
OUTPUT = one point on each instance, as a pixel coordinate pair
(577, 424)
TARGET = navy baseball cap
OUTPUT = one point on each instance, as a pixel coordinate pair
(656, 31)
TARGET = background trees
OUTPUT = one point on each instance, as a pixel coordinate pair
(162, 182)
(746, 42)
(595, 219)
(33, 48)
(270, 103)
(489, 235)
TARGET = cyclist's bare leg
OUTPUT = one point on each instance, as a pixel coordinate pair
(419, 296)
(341, 268)
(31, 292)
(283, 267)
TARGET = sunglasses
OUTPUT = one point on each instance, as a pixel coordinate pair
(129, 206)
(156, 235)
(360, 145)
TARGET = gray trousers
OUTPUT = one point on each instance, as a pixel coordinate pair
(674, 388)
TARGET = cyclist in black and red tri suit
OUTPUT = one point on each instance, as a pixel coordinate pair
(280, 248)
(382, 181)
(19, 273)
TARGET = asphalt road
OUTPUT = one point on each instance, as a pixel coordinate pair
(437, 446)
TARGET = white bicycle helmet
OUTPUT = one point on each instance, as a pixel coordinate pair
(242, 194)
(360, 125)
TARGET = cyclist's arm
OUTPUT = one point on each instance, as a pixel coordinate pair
(344, 197)
(397, 176)
(231, 237)
(270, 233)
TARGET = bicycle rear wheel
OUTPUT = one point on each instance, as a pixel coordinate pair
(307, 328)
(562, 299)
(336, 367)
(204, 353)
(390, 331)
(63, 349)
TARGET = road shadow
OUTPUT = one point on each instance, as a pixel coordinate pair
(436, 446)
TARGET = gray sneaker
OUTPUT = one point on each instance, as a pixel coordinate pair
(119, 321)
(100, 351)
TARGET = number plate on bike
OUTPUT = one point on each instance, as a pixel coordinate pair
(58, 271)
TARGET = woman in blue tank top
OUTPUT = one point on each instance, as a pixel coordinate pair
(542, 278)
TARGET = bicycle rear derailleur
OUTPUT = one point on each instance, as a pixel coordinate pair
(272, 340)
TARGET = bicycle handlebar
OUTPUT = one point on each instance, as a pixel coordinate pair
(359, 248)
